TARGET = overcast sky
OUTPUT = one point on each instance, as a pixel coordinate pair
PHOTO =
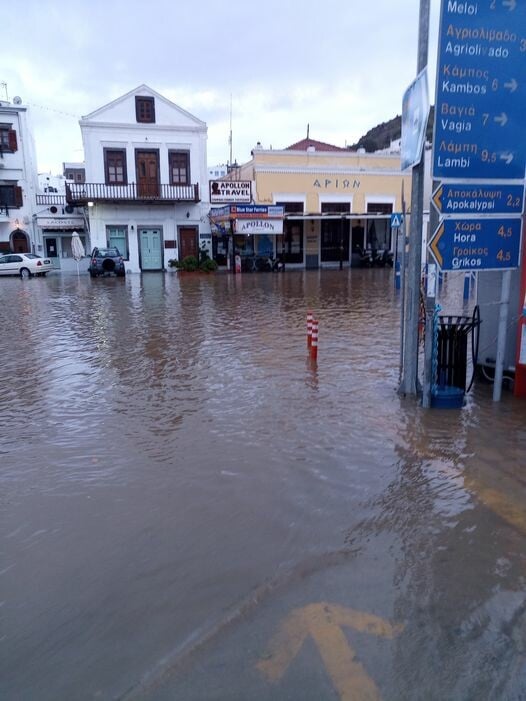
(339, 65)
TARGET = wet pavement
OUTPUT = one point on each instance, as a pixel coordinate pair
(192, 509)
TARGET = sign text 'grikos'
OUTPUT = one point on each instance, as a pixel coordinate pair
(230, 191)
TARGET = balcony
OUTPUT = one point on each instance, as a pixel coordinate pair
(51, 199)
(79, 194)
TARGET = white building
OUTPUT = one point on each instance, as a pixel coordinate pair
(146, 179)
(56, 220)
(18, 179)
(218, 171)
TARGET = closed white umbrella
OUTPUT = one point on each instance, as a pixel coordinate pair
(77, 249)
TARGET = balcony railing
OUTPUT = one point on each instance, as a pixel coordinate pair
(49, 199)
(82, 193)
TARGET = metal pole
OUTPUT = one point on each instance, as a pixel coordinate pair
(402, 285)
(409, 383)
(342, 224)
(501, 338)
(431, 294)
(233, 247)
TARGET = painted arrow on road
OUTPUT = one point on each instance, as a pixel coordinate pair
(324, 622)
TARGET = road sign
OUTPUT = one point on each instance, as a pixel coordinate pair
(481, 90)
(396, 220)
(415, 113)
(477, 244)
(471, 199)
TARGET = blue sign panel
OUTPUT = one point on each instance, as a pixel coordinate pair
(471, 200)
(481, 90)
(396, 220)
(477, 244)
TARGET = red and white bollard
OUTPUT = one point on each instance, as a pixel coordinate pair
(309, 329)
(314, 342)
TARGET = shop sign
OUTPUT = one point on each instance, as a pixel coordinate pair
(259, 211)
(259, 226)
(230, 191)
(60, 223)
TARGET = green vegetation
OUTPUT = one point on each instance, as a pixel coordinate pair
(380, 137)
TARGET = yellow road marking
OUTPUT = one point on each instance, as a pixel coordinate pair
(509, 509)
(323, 623)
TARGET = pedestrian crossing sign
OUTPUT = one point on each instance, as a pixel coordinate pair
(396, 220)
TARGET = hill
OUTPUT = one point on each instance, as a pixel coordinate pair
(380, 136)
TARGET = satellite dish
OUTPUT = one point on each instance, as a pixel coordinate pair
(17, 100)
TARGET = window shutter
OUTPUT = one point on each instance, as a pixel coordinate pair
(12, 140)
(19, 196)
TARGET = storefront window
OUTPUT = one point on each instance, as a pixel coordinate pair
(66, 245)
(379, 230)
(289, 245)
(335, 232)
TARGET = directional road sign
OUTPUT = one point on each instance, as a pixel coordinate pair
(481, 90)
(471, 199)
(477, 244)
(415, 113)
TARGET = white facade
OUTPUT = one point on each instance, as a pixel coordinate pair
(56, 221)
(18, 179)
(139, 197)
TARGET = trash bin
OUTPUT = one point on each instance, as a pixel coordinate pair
(452, 339)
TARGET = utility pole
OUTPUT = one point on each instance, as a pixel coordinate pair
(409, 383)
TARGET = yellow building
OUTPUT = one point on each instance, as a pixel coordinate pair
(336, 202)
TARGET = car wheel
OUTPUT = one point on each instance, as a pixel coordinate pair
(25, 273)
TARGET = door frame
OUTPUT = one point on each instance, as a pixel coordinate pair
(149, 227)
(138, 151)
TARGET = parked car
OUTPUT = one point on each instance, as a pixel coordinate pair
(24, 264)
(106, 261)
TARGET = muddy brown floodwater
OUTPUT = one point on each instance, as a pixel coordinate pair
(177, 477)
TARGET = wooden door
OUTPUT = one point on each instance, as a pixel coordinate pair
(147, 163)
(188, 241)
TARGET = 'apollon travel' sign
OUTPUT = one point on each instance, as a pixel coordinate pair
(230, 191)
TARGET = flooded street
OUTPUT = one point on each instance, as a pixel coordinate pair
(191, 509)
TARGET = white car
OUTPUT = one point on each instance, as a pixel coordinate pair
(24, 264)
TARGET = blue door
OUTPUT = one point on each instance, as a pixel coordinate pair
(151, 251)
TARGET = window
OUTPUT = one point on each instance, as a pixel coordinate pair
(7, 138)
(335, 232)
(115, 166)
(145, 109)
(117, 237)
(179, 167)
(379, 231)
(290, 244)
(79, 177)
(11, 196)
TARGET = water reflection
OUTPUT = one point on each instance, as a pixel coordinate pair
(169, 447)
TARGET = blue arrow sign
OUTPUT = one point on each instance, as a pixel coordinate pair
(470, 199)
(481, 90)
(477, 244)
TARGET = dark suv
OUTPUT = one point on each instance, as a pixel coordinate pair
(106, 260)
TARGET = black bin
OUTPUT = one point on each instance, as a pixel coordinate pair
(452, 352)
